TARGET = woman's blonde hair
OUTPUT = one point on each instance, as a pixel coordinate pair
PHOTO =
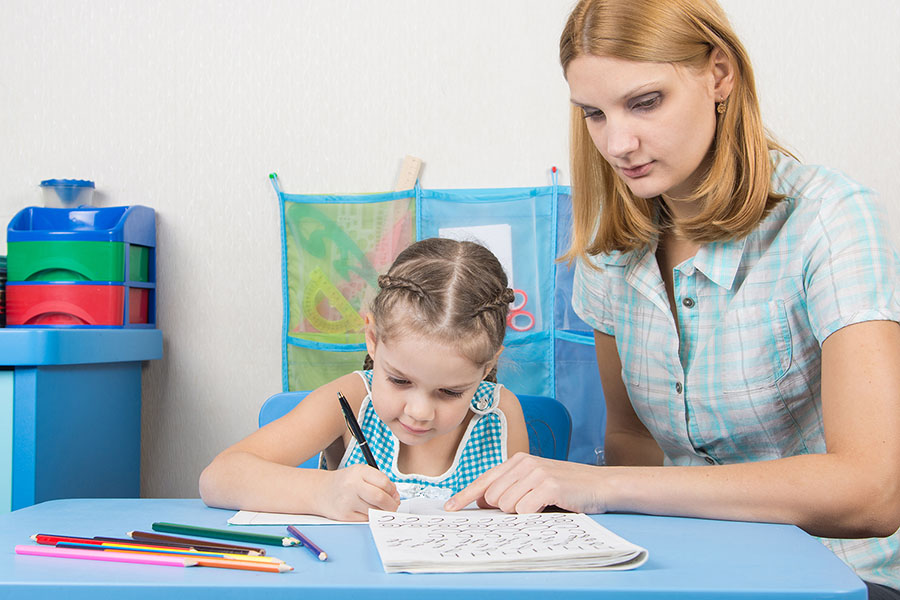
(735, 192)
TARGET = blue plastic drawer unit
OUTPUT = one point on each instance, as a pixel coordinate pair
(82, 267)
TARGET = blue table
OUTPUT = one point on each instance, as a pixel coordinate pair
(689, 559)
(70, 412)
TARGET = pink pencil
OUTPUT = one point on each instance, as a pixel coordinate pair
(129, 557)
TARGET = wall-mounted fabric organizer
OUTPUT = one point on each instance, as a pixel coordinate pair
(335, 246)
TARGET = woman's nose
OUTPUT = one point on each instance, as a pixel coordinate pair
(621, 140)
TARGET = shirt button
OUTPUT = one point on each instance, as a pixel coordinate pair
(710, 460)
(688, 302)
(678, 387)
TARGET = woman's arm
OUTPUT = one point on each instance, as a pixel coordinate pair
(260, 473)
(626, 442)
(852, 490)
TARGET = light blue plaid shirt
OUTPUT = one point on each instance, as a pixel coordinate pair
(743, 381)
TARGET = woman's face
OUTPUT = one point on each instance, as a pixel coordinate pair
(653, 122)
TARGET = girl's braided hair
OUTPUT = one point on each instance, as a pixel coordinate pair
(449, 290)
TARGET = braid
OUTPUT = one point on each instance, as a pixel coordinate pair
(392, 282)
(500, 302)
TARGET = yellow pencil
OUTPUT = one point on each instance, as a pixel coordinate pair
(177, 551)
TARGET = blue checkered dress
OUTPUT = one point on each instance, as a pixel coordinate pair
(743, 381)
(482, 447)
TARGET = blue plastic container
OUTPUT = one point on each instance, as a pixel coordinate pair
(132, 224)
(67, 193)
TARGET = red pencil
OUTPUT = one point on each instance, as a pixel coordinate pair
(52, 539)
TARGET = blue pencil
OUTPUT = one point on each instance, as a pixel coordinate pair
(317, 552)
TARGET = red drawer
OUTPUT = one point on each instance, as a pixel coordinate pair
(72, 304)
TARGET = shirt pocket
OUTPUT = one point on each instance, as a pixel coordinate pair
(754, 349)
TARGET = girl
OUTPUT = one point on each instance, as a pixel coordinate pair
(428, 403)
(745, 305)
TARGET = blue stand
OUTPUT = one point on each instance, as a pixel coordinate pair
(72, 400)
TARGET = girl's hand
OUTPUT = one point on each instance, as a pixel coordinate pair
(351, 492)
(528, 484)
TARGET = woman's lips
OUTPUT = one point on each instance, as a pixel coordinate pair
(638, 171)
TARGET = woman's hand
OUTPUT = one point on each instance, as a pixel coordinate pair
(528, 484)
(350, 493)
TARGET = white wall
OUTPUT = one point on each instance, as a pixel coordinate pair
(187, 106)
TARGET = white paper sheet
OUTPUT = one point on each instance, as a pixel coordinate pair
(496, 238)
(422, 506)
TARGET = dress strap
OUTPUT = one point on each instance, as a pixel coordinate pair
(367, 377)
(486, 398)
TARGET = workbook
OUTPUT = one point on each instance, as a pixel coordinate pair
(475, 542)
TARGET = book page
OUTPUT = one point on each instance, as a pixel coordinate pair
(470, 542)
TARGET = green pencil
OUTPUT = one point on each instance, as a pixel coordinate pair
(225, 534)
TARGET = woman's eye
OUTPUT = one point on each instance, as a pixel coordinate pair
(647, 102)
(397, 381)
(451, 393)
(592, 113)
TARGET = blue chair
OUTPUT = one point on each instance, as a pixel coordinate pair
(547, 420)
(549, 426)
(279, 405)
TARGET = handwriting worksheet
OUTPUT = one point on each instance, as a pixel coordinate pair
(472, 542)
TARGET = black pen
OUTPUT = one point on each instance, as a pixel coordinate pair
(356, 431)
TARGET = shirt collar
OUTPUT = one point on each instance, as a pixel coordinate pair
(718, 261)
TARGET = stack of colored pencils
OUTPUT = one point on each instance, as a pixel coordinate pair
(152, 548)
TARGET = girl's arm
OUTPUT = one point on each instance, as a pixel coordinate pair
(517, 432)
(852, 490)
(627, 441)
(259, 472)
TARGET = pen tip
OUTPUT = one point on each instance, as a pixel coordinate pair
(289, 541)
(34, 537)
(323, 556)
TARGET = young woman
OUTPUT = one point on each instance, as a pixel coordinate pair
(745, 305)
(429, 407)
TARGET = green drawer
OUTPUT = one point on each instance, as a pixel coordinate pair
(67, 261)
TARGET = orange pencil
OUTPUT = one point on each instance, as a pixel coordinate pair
(230, 563)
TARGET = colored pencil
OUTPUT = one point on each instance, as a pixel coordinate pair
(127, 557)
(225, 534)
(53, 539)
(307, 543)
(170, 551)
(227, 563)
(146, 536)
(210, 547)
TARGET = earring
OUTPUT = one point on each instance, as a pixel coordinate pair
(720, 107)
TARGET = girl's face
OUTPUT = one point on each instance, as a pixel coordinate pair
(421, 388)
(653, 122)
